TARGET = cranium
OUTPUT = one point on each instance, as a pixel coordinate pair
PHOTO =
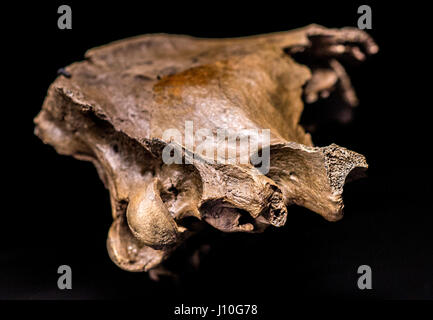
(117, 104)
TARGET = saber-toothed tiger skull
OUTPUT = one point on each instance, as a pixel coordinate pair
(118, 105)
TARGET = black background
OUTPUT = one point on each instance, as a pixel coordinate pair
(56, 211)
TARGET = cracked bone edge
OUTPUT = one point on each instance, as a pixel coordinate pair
(313, 177)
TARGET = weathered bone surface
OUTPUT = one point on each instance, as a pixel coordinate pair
(117, 103)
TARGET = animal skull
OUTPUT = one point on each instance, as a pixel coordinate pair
(117, 104)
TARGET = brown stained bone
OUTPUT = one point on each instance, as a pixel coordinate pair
(117, 103)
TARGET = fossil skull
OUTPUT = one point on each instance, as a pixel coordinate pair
(117, 104)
